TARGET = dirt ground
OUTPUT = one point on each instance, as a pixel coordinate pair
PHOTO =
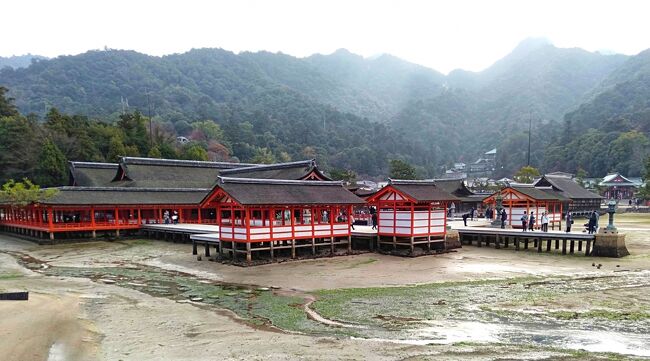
(76, 318)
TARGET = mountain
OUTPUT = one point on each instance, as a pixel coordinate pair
(20, 61)
(536, 81)
(356, 112)
(614, 123)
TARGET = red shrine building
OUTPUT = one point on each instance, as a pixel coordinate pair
(411, 213)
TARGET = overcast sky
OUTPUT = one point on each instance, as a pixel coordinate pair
(442, 35)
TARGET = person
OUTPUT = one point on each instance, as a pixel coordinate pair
(166, 217)
(374, 220)
(524, 221)
(488, 213)
(352, 220)
(569, 221)
(504, 218)
(175, 217)
(465, 216)
(591, 226)
(544, 222)
(471, 214)
(531, 221)
(597, 220)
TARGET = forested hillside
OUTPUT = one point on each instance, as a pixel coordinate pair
(358, 113)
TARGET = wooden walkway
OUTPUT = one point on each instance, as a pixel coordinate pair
(542, 241)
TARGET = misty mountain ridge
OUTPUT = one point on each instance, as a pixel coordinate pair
(438, 113)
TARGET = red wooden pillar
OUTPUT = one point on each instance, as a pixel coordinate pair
(199, 213)
(50, 219)
(92, 217)
(139, 216)
(293, 223)
(412, 219)
(117, 218)
(271, 221)
(444, 224)
(247, 220)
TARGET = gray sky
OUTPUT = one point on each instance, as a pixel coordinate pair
(442, 35)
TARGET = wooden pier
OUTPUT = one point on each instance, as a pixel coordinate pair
(568, 242)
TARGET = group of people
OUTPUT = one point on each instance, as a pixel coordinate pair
(528, 222)
(173, 219)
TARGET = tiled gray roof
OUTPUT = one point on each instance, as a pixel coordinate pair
(248, 191)
(98, 196)
(422, 190)
(567, 186)
(91, 174)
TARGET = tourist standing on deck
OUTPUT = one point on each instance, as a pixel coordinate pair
(531, 221)
(569, 221)
(591, 226)
(544, 222)
(504, 218)
(166, 217)
(471, 214)
(465, 216)
(352, 219)
(524, 222)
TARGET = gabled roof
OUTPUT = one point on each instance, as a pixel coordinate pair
(91, 174)
(250, 191)
(533, 193)
(567, 186)
(298, 170)
(616, 179)
(492, 151)
(456, 187)
(169, 173)
(99, 196)
(419, 191)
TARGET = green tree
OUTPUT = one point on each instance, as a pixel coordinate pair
(526, 174)
(7, 106)
(194, 152)
(154, 152)
(400, 169)
(18, 140)
(263, 156)
(346, 175)
(52, 165)
(135, 131)
(24, 193)
(644, 192)
(116, 149)
(207, 130)
(581, 174)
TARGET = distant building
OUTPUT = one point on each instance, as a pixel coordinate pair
(482, 167)
(182, 140)
(580, 198)
(616, 186)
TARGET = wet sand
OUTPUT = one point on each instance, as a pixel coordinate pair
(78, 319)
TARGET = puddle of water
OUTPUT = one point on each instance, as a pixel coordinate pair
(57, 352)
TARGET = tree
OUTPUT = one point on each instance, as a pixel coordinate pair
(154, 152)
(263, 156)
(581, 174)
(400, 169)
(526, 174)
(7, 106)
(644, 192)
(24, 193)
(116, 149)
(207, 130)
(346, 175)
(194, 152)
(52, 165)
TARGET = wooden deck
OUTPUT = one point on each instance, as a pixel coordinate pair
(503, 238)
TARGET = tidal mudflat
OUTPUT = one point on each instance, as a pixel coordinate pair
(142, 299)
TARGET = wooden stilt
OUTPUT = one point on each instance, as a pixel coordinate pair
(526, 244)
(313, 246)
(271, 245)
(588, 247)
(572, 246)
(557, 244)
(580, 246)
(497, 244)
(564, 246)
(349, 244)
(539, 245)
(194, 250)
(249, 256)
(207, 249)
(293, 248)
(412, 246)
(548, 245)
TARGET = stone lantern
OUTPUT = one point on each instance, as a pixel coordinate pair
(608, 242)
